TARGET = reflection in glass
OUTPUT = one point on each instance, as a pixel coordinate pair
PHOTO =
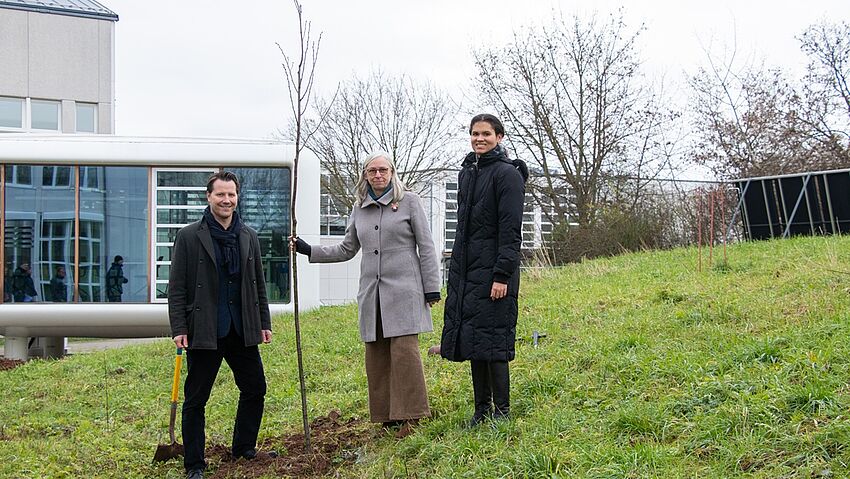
(181, 197)
(178, 217)
(39, 236)
(183, 178)
(264, 202)
(113, 228)
(166, 235)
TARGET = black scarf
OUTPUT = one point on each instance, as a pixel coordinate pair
(227, 239)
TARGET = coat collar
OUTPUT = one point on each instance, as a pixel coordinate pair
(206, 240)
(368, 201)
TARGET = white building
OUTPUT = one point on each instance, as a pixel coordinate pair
(58, 66)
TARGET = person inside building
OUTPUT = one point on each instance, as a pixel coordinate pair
(115, 280)
(481, 301)
(219, 310)
(399, 282)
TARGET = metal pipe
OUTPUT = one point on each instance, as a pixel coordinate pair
(809, 208)
(835, 227)
(796, 205)
(740, 207)
(767, 207)
(784, 214)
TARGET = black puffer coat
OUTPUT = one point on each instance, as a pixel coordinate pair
(491, 191)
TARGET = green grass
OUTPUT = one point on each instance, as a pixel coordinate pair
(649, 369)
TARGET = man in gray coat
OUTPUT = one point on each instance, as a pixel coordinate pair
(219, 310)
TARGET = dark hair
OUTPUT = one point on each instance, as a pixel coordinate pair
(492, 120)
(118, 258)
(223, 176)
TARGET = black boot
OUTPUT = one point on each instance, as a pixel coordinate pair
(500, 383)
(481, 392)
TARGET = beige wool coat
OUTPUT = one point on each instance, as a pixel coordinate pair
(399, 260)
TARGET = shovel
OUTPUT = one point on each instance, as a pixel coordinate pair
(165, 452)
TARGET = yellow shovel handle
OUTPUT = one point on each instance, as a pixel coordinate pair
(176, 381)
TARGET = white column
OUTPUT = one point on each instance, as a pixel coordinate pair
(16, 344)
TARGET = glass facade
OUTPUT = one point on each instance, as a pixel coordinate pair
(113, 224)
(38, 234)
(264, 202)
(124, 242)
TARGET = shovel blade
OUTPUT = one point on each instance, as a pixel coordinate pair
(165, 452)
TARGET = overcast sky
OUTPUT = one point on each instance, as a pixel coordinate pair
(211, 68)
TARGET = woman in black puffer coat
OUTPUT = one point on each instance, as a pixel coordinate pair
(481, 305)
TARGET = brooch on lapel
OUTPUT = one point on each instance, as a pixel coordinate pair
(394, 206)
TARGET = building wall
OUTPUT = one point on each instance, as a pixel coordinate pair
(62, 58)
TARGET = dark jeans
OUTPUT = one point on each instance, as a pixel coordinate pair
(203, 364)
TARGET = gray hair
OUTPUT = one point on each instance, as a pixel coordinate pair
(361, 190)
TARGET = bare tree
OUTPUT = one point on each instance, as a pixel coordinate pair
(751, 120)
(825, 95)
(744, 122)
(414, 121)
(299, 73)
(574, 101)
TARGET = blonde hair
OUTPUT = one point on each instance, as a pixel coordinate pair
(361, 190)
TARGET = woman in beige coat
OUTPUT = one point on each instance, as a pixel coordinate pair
(399, 282)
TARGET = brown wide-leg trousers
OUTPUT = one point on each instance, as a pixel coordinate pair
(396, 378)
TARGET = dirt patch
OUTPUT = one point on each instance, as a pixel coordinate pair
(7, 364)
(335, 443)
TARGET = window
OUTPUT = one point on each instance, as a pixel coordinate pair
(56, 176)
(45, 115)
(334, 216)
(114, 203)
(86, 118)
(39, 233)
(90, 177)
(11, 112)
(19, 175)
(180, 199)
(264, 203)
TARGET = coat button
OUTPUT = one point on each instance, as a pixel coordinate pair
(231, 301)
(250, 258)
(201, 260)
(376, 226)
(376, 251)
(197, 308)
(199, 285)
(254, 281)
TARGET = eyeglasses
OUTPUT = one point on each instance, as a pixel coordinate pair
(373, 171)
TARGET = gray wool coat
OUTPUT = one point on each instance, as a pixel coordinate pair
(399, 259)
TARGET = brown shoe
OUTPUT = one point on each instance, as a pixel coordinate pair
(407, 428)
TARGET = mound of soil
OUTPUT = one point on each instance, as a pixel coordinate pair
(334, 443)
(7, 364)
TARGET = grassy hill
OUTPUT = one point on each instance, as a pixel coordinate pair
(649, 369)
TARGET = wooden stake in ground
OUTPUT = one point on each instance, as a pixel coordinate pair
(299, 80)
(699, 229)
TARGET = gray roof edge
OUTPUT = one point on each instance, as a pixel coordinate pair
(61, 11)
